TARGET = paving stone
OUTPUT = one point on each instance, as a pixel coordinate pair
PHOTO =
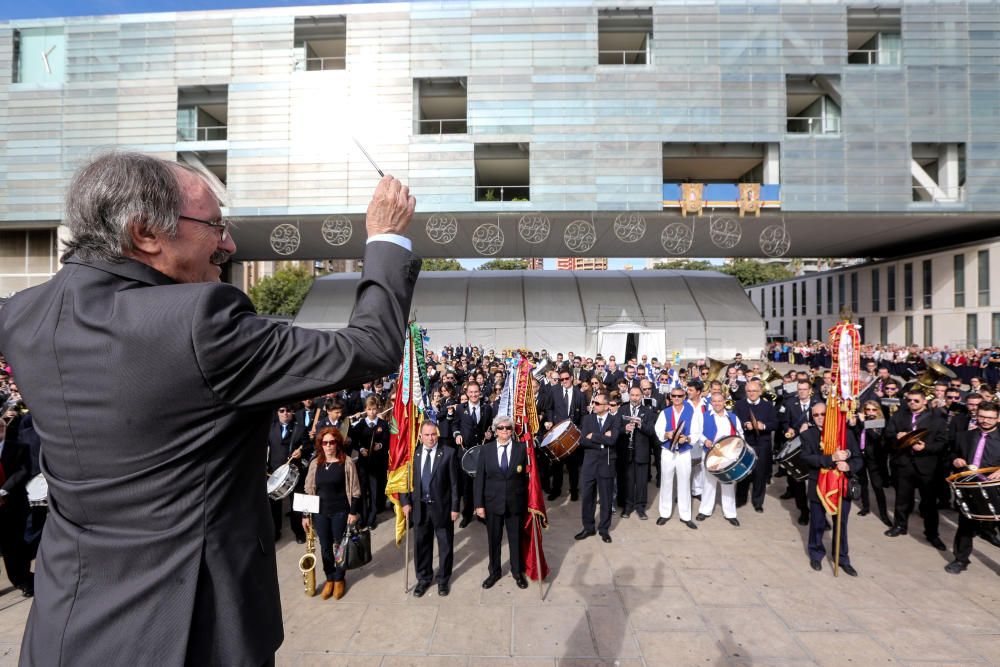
(845, 649)
(472, 630)
(553, 631)
(752, 633)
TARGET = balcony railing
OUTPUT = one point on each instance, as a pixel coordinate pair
(209, 133)
(503, 192)
(443, 126)
(618, 57)
(873, 56)
(951, 195)
(812, 125)
(318, 64)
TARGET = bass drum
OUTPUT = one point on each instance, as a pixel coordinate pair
(470, 460)
(790, 458)
(561, 441)
(731, 459)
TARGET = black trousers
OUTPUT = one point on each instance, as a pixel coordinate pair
(872, 472)
(621, 480)
(636, 485)
(495, 526)
(465, 489)
(294, 518)
(591, 486)
(798, 490)
(908, 482)
(425, 534)
(15, 551)
(373, 488)
(967, 529)
(572, 464)
(757, 479)
(817, 526)
(330, 530)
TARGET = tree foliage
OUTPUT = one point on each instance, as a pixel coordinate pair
(504, 265)
(752, 272)
(441, 264)
(687, 265)
(282, 293)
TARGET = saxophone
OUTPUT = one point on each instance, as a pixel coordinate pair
(307, 564)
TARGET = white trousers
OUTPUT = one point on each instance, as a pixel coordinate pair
(697, 476)
(708, 497)
(681, 462)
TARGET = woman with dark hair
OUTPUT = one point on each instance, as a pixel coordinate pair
(334, 478)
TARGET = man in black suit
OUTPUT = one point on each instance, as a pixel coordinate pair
(14, 475)
(565, 402)
(914, 466)
(793, 419)
(759, 420)
(501, 493)
(599, 441)
(288, 440)
(542, 406)
(471, 427)
(306, 415)
(370, 439)
(137, 316)
(847, 461)
(638, 435)
(432, 508)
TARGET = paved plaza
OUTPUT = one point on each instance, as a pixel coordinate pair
(666, 595)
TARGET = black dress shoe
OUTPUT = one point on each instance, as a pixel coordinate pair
(734, 522)
(697, 497)
(552, 496)
(642, 515)
(574, 496)
(584, 534)
(803, 520)
(701, 517)
(27, 590)
(444, 589)
(758, 510)
(420, 589)
(937, 543)
(885, 519)
(662, 520)
(489, 581)
(521, 581)
(848, 570)
(464, 522)
(606, 538)
(690, 524)
(373, 525)
(626, 515)
(956, 567)
(864, 512)
(990, 537)
(816, 565)
(894, 532)
(740, 504)
(786, 495)
(781, 473)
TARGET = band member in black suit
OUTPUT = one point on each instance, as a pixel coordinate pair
(874, 457)
(759, 420)
(914, 466)
(979, 448)
(847, 461)
(542, 406)
(288, 442)
(501, 494)
(600, 432)
(433, 509)
(29, 439)
(369, 437)
(306, 415)
(566, 402)
(793, 418)
(14, 475)
(471, 427)
(332, 416)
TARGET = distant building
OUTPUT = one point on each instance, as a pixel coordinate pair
(582, 264)
(535, 263)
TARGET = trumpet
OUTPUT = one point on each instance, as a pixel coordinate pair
(307, 564)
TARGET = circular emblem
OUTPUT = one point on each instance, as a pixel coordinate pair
(337, 231)
(580, 236)
(725, 232)
(630, 227)
(285, 239)
(534, 228)
(487, 239)
(775, 241)
(442, 229)
(677, 238)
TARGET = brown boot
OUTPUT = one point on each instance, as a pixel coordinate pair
(338, 590)
(327, 590)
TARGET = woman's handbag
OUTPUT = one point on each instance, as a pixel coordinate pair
(355, 549)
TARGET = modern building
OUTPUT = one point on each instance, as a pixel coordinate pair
(582, 264)
(541, 128)
(948, 296)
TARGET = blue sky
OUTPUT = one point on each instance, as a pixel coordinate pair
(15, 9)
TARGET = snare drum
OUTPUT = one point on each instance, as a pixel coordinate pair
(561, 441)
(790, 458)
(38, 491)
(978, 498)
(281, 482)
(731, 459)
(470, 460)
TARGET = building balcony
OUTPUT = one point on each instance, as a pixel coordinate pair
(692, 197)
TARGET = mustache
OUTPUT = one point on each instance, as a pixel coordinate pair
(219, 257)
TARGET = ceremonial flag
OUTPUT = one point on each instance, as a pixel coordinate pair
(526, 424)
(831, 485)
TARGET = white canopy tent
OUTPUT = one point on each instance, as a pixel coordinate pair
(656, 313)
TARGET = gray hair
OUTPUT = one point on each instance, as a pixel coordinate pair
(115, 191)
(502, 419)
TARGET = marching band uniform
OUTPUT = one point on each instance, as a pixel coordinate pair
(914, 471)
(697, 458)
(373, 465)
(637, 469)
(501, 488)
(764, 413)
(792, 415)
(873, 455)
(282, 441)
(471, 422)
(715, 427)
(560, 410)
(597, 475)
(433, 499)
(979, 449)
(690, 422)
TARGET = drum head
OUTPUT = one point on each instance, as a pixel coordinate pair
(37, 488)
(555, 432)
(470, 460)
(730, 447)
(277, 478)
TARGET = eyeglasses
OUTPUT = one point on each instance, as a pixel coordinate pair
(914, 400)
(280, 410)
(819, 414)
(222, 224)
(597, 403)
(676, 395)
(505, 428)
(329, 442)
(614, 405)
(566, 377)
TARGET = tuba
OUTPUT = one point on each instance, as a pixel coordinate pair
(543, 367)
(307, 564)
(715, 368)
(934, 372)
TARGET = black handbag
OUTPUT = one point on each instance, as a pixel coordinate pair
(358, 547)
(853, 488)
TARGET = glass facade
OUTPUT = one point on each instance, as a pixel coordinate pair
(908, 286)
(876, 303)
(890, 288)
(928, 285)
(983, 260)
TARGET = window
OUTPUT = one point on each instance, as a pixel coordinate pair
(802, 289)
(861, 333)
(774, 302)
(781, 327)
(995, 333)
(928, 292)
(984, 277)
(908, 286)
(202, 113)
(928, 330)
(624, 36)
(763, 301)
(795, 329)
(971, 329)
(795, 300)
(829, 295)
(819, 328)
(890, 288)
(812, 104)
(959, 281)
(781, 295)
(874, 36)
(441, 105)
(39, 55)
(883, 330)
(320, 43)
(876, 289)
(819, 296)
(841, 293)
(502, 172)
(908, 329)
(854, 292)
(809, 330)
(937, 172)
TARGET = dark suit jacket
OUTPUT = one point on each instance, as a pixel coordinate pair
(557, 406)
(644, 433)
(764, 412)
(499, 492)
(444, 487)
(472, 433)
(926, 460)
(17, 469)
(600, 450)
(363, 437)
(180, 488)
(812, 455)
(278, 449)
(967, 443)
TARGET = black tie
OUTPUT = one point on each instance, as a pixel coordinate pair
(504, 464)
(425, 476)
(475, 415)
(567, 401)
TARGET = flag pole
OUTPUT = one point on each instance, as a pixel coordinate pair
(836, 538)
(538, 557)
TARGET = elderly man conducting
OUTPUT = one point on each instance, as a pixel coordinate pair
(152, 386)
